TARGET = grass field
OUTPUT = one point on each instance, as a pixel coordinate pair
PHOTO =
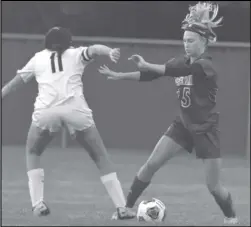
(76, 196)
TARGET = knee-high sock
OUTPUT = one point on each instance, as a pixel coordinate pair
(36, 185)
(114, 189)
(136, 190)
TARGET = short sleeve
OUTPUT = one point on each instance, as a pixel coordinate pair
(148, 76)
(28, 71)
(205, 67)
(85, 58)
(176, 67)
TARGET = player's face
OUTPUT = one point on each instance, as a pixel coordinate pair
(193, 43)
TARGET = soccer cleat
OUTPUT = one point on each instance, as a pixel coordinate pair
(123, 213)
(231, 221)
(41, 209)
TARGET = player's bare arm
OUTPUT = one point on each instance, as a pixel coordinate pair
(175, 67)
(145, 66)
(147, 71)
(13, 85)
(98, 50)
(112, 75)
(22, 77)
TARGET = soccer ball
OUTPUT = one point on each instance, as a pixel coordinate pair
(151, 211)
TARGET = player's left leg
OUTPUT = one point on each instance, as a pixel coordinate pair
(176, 138)
(165, 149)
(221, 195)
(90, 139)
(78, 118)
(207, 148)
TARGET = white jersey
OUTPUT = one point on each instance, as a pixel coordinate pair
(59, 79)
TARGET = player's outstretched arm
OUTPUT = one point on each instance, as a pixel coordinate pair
(23, 76)
(175, 67)
(98, 50)
(144, 66)
(112, 75)
(147, 71)
(12, 86)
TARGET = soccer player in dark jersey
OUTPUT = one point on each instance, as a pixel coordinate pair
(197, 126)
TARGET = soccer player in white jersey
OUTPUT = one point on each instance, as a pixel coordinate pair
(60, 103)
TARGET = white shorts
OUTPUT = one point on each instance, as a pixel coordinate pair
(74, 114)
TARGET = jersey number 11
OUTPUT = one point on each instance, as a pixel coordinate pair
(60, 65)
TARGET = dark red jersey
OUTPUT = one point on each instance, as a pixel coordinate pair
(196, 87)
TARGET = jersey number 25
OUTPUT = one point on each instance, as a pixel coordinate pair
(185, 99)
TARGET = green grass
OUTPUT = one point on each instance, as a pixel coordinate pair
(76, 196)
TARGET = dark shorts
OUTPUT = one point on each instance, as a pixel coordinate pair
(203, 138)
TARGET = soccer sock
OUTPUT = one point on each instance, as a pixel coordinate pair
(226, 205)
(36, 185)
(136, 190)
(114, 189)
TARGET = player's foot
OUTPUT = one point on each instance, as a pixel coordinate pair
(123, 213)
(231, 221)
(41, 209)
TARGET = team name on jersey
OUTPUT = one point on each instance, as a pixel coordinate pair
(184, 80)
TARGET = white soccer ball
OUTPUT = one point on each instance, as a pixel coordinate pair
(151, 211)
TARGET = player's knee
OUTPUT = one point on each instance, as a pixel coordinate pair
(146, 172)
(99, 159)
(104, 164)
(213, 187)
(99, 155)
(33, 150)
(212, 174)
(151, 166)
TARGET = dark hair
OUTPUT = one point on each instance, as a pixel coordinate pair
(58, 39)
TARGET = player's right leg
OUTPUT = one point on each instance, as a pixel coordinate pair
(44, 123)
(37, 141)
(164, 150)
(175, 139)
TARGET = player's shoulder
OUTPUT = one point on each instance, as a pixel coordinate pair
(205, 60)
(42, 53)
(206, 63)
(177, 60)
(79, 48)
(36, 56)
(77, 51)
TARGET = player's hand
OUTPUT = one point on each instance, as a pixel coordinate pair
(111, 75)
(114, 54)
(139, 61)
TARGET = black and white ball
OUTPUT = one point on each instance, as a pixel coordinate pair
(151, 211)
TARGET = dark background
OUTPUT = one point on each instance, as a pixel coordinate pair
(137, 19)
(128, 114)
